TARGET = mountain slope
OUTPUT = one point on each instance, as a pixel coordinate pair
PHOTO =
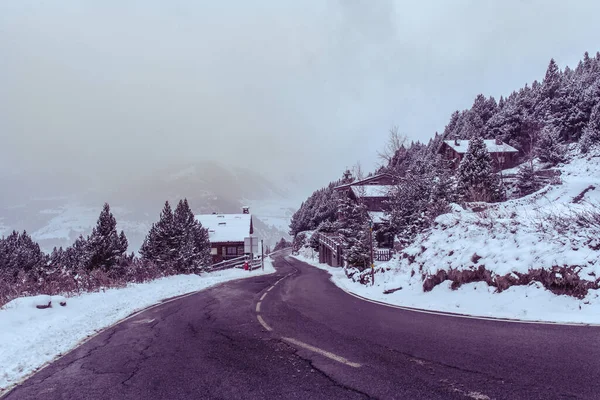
(57, 218)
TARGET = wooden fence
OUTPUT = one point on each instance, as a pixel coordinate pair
(382, 254)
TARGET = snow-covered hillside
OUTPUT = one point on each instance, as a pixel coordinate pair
(552, 235)
(542, 230)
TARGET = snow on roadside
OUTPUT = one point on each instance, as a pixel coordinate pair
(30, 337)
(529, 303)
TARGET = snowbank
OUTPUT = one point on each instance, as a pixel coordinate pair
(30, 337)
(529, 303)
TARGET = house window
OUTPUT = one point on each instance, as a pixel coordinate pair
(501, 159)
(240, 250)
(214, 251)
(231, 251)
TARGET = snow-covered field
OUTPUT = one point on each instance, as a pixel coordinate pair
(536, 231)
(31, 337)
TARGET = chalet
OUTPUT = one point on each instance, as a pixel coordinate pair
(226, 233)
(503, 155)
(374, 193)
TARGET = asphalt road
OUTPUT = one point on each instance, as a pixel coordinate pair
(314, 341)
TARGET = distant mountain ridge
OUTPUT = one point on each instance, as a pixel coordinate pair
(55, 220)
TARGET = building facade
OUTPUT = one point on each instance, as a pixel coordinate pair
(226, 233)
(503, 155)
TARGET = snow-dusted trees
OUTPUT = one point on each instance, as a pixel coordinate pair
(591, 133)
(282, 244)
(105, 246)
(550, 148)
(19, 253)
(476, 179)
(319, 207)
(527, 181)
(192, 240)
(353, 228)
(424, 193)
(177, 240)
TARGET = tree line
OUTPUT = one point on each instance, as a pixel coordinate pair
(176, 243)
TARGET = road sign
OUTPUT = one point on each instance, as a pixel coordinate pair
(251, 245)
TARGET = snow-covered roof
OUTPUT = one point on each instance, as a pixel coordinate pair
(367, 181)
(377, 217)
(226, 227)
(461, 146)
(371, 190)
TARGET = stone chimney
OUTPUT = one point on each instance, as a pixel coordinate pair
(245, 210)
(498, 142)
(456, 142)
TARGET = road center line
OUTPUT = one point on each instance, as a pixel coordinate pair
(263, 323)
(263, 296)
(324, 353)
(258, 307)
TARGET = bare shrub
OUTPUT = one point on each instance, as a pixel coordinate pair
(560, 280)
(59, 280)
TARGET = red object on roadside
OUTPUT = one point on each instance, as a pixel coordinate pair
(246, 267)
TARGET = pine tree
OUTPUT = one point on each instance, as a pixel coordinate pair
(19, 253)
(591, 133)
(352, 227)
(527, 181)
(550, 147)
(282, 244)
(191, 240)
(476, 179)
(105, 246)
(177, 240)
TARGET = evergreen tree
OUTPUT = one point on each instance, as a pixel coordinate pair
(19, 253)
(192, 240)
(550, 147)
(527, 181)
(591, 133)
(178, 240)
(105, 246)
(476, 180)
(352, 227)
(282, 244)
(160, 244)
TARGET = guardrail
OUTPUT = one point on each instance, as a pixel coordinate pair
(329, 242)
(235, 263)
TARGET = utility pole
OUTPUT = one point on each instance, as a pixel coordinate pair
(371, 244)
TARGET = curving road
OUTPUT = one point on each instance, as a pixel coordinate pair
(294, 335)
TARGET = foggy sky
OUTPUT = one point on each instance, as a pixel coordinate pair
(103, 89)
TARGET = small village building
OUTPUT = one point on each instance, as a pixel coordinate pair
(374, 193)
(226, 233)
(503, 155)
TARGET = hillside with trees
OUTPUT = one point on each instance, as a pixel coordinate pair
(543, 120)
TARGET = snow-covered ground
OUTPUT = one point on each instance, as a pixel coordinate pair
(536, 231)
(31, 337)
(529, 303)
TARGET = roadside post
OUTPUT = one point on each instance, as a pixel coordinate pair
(371, 244)
(262, 255)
